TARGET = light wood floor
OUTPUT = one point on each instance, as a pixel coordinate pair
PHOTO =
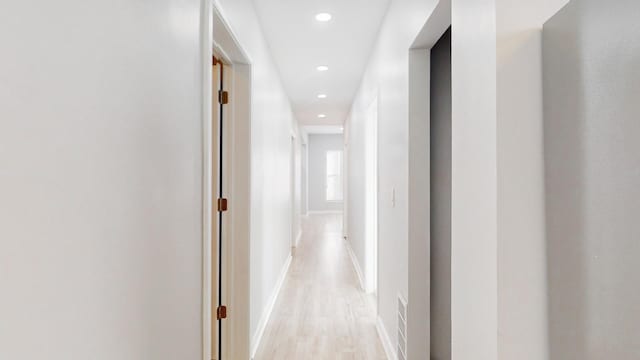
(321, 312)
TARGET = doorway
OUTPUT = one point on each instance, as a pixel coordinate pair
(440, 159)
(371, 198)
(226, 146)
(219, 190)
(430, 96)
(294, 193)
(304, 171)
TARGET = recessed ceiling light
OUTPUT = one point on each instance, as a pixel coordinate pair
(322, 96)
(322, 68)
(322, 116)
(324, 17)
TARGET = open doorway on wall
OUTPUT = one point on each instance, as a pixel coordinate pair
(226, 184)
(218, 191)
(371, 198)
(292, 182)
(304, 179)
(429, 329)
(440, 159)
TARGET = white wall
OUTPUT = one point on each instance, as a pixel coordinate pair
(355, 204)
(271, 128)
(591, 132)
(419, 247)
(318, 146)
(482, 155)
(100, 146)
(474, 189)
(387, 77)
(521, 229)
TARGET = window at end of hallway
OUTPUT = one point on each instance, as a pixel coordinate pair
(334, 176)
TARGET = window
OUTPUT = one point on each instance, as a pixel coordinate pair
(334, 176)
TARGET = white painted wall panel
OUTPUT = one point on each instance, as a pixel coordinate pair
(592, 162)
(521, 230)
(100, 180)
(474, 269)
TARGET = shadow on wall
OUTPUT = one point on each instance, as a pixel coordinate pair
(591, 133)
(565, 191)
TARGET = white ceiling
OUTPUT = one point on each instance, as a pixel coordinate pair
(322, 129)
(299, 44)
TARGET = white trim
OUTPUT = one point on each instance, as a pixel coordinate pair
(323, 212)
(207, 96)
(236, 281)
(419, 240)
(356, 264)
(292, 191)
(266, 315)
(226, 41)
(305, 193)
(384, 339)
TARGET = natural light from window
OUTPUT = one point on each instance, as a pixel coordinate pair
(334, 176)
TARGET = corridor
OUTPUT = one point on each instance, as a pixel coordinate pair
(321, 312)
(320, 180)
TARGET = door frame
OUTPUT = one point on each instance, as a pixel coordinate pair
(372, 191)
(419, 291)
(304, 176)
(217, 38)
(295, 179)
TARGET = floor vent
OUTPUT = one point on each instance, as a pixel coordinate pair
(402, 328)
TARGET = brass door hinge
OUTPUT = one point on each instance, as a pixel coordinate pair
(221, 312)
(223, 97)
(222, 205)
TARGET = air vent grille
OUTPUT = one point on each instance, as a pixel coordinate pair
(402, 328)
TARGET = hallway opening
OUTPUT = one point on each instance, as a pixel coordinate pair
(440, 173)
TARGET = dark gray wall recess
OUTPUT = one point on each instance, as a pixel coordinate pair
(441, 198)
(591, 62)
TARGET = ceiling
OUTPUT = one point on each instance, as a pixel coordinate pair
(322, 129)
(299, 43)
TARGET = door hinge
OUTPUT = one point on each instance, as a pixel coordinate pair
(222, 205)
(223, 97)
(221, 312)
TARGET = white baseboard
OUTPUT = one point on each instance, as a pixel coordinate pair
(266, 314)
(356, 265)
(325, 212)
(389, 349)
